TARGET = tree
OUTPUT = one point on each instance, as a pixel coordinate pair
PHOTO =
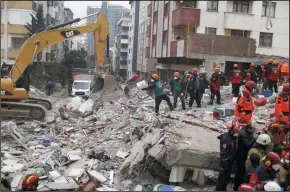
(37, 22)
(74, 59)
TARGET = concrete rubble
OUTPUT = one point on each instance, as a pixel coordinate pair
(118, 144)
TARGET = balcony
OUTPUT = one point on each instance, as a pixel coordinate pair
(148, 31)
(13, 53)
(147, 52)
(149, 10)
(239, 21)
(186, 16)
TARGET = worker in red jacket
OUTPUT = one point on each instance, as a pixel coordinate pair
(245, 107)
(251, 75)
(237, 77)
(30, 182)
(273, 76)
(215, 84)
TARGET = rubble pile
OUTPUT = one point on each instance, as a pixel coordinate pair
(115, 145)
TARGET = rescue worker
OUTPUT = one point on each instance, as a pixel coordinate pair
(264, 66)
(237, 77)
(245, 141)
(30, 182)
(177, 89)
(282, 106)
(267, 172)
(251, 75)
(275, 132)
(273, 76)
(215, 81)
(245, 107)
(49, 87)
(228, 150)
(259, 147)
(186, 81)
(284, 72)
(159, 93)
(284, 178)
(195, 89)
(70, 87)
(245, 187)
(203, 83)
(255, 162)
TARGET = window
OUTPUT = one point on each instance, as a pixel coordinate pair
(164, 37)
(166, 8)
(154, 40)
(241, 6)
(212, 5)
(17, 42)
(266, 39)
(155, 17)
(266, 9)
(239, 33)
(210, 31)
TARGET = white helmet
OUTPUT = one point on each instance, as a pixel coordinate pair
(263, 139)
(272, 186)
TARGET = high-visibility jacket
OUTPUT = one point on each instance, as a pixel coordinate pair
(284, 69)
(285, 108)
(278, 112)
(237, 76)
(215, 81)
(244, 107)
(273, 73)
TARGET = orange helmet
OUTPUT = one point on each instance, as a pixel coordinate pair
(155, 77)
(195, 70)
(269, 61)
(234, 125)
(217, 69)
(176, 74)
(252, 65)
(274, 62)
(236, 65)
(245, 187)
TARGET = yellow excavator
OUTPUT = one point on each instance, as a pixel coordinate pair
(15, 102)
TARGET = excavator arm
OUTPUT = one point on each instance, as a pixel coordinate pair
(41, 40)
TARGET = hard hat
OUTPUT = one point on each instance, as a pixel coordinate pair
(285, 159)
(195, 70)
(176, 74)
(274, 125)
(272, 159)
(155, 77)
(217, 69)
(252, 65)
(274, 62)
(272, 186)
(234, 125)
(236, 65)
(251, 84)
(285, 88)
(245, 187)
(270, 61)
(263, 139)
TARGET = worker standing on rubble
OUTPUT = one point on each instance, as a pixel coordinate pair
(195, 89)
(30, 182)
(282, 106)
(203, 83)
(284, 72)
(245, 141)
(273, 76)
(228, 150)
(159, 93)
(177, 89)
(237, 77)
(267, 172)
(259, 147)
(245, 107)
(251, 75)
(215, 81)
(186, 80)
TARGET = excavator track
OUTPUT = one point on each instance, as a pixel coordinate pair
(42, 102)
(22, 110)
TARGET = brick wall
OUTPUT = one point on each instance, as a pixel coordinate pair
(221, 45)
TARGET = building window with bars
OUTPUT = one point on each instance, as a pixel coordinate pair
(212, 5)
(210, 31)
(239, 33)
(241, 6)
(266, 39)
(266, 10)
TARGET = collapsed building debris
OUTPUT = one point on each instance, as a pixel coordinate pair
(110, 146)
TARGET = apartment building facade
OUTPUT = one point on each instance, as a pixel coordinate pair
(120, 49)
(14, 16)
(187, 34)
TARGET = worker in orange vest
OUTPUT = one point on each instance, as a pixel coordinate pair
(251, 75)
(282, 106)
(30, 182)
(245, 107)
(237, 77)
(273, 76)
(284, 71)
